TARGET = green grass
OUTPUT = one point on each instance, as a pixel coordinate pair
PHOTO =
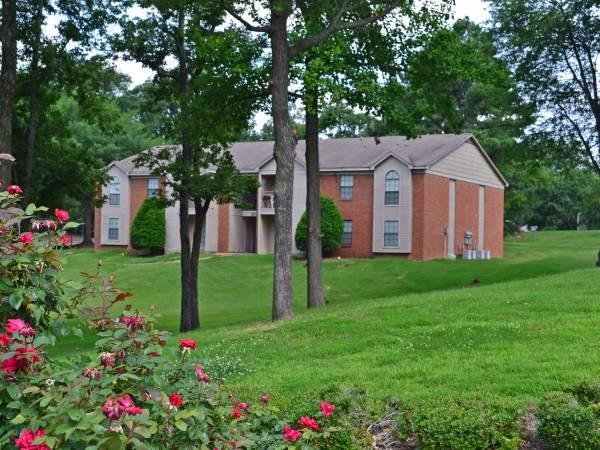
(393, 326)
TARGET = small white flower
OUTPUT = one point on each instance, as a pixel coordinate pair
(50, 382)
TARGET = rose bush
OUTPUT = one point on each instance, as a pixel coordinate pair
(136, 391)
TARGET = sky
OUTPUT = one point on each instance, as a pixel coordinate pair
(475, 9)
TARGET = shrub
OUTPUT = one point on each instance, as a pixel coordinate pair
(31, 287)
(468, 424)
(148, 228)
(570, 420)
(332, 227)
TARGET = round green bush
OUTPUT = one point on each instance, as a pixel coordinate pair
(148, 229)
(468, 424)
(569, 422)
(332, 227)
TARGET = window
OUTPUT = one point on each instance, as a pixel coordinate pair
(346, 185)
(347, 236)
(392, 188)
(113, 228)
(114, 192)
(153, 187)
(390, 233)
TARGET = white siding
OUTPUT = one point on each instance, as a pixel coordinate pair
(266, 223)
(120, 212)
(237, 230)
(402, 212)
(452, 217)
(466, 163)
(212, 228)
(172, 241)
(481, 217)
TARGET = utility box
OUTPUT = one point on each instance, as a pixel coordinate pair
(468, 238)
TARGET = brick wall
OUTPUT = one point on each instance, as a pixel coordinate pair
(359, 210)
(494, 221)
(223, 236)
(467, 213)
(138, 191)
(430, 216)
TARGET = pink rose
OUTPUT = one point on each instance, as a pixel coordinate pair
(327, 409)
(307, 422)
(26, 440)
(61, 214)
(176, 400)
(15, 325)
(187, 343)
(13, 189)
(289, 434)
(65, 240)
(26, 238)
(236, 414)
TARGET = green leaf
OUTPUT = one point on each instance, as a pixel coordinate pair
(18, 419)
(70, 225)
(181, 425)
(14, 391)
(16, 298)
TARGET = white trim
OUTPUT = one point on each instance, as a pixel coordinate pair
(468, 180)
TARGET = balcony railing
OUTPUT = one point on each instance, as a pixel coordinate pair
(267, 202)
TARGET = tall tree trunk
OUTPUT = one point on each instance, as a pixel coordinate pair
(88, 218)
(190, 319)
(314, 280)
(33, 101)
(8, 73)
(284, 153)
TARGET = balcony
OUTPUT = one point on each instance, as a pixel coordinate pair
(267, 206)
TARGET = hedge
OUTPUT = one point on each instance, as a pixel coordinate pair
(332, 227)
(148, 229)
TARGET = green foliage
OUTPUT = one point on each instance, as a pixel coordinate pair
(570, 420)
(468, 425)
(332, 227)
(31, 283)
(148, 229)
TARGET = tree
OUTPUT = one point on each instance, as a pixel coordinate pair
(348, 67)
(8, 73)
(210, 94)
(553, 48)
(148, 228)
(332, 227)
(285, 46)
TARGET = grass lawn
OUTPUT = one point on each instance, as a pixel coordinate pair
(392, 326)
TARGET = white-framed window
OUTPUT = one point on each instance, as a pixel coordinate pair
(392, 188)
(153, 187)
(346, 186)
(347, 236)
(114, 192)
(390, 233)
(113, 228)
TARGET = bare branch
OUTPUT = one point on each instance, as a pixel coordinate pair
(249, 26)
(335, 24)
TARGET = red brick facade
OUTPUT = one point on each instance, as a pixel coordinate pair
(467, 214)
(223, 239)
(430, 216)
(494, 221)
(359, 210)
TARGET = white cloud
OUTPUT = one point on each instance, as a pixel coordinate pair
(476, 10)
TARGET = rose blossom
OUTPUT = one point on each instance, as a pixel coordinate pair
(4, 340)
(236, 414)
(133, 322)
(265, 399)
(61, 214)
(201, 375)
(176, 400)
(92, 373)
(13, 189)
(65, 240)
(327, 409)
(14, 325)
(49, 225)
(26, 440)
(307, 422)
(127, 405)
(26, 238)
(187, 343)
(289, 434)
(107, 359)
(243, 406)
(112, 410)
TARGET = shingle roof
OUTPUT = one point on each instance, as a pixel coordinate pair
(339, 154)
